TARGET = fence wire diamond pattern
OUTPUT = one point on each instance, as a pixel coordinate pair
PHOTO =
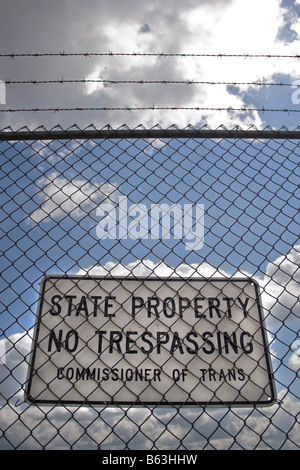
(78, 203)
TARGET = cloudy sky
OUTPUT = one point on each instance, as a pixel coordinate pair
(51, 191)
(206, 27)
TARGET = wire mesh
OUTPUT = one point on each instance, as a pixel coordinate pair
(122, 331)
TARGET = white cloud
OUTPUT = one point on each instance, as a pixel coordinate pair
(294, 359)
(77, 197)
(280, 287)
(149, 268)
(14, 363)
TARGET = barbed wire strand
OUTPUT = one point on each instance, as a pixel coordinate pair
(143, 82)
(152, 107)
(148, 54)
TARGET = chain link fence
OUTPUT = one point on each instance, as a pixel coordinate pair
(150, 289)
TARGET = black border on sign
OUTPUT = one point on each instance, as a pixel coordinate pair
(240, 403)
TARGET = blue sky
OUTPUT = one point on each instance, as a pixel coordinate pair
(250, 190)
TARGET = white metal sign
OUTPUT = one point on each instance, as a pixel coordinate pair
(128, 341)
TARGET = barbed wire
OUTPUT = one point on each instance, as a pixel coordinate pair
(148, 54)
(61, 81)
(142, 82)
(151, 107)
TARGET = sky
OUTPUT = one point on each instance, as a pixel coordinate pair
(206, 27)
(51, 190)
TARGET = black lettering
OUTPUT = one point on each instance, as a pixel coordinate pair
(219, 340)
(136, 304)
(79, 374)
(176, 375)
(197, 307)
(95, 298)
(208, 334)
(160, 341)
(248, 348)
(184, 303)
(228, 300)
(66, 342)
(107, 306)
(139, 375)
(70, 373)
(153, 303)
(232, 341)
(90, 375)
(241, 375)
(176, 344)
(58, 341)
(129, 342)
(115, 338)
(55, 303)
(143, 338)
(244, 305)
(60, 373)
(70, 306)
(191, 341)
(213, 305)
(212, 375)
(82, 307)
(100, 333)
(168, 300)
(129, 375)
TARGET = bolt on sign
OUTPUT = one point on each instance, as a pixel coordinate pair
(150, 341)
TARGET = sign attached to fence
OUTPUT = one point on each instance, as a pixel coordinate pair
(148, 341)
